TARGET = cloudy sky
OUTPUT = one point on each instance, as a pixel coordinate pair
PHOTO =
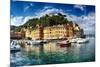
(84, 15)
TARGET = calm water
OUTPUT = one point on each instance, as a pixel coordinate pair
(52, 53)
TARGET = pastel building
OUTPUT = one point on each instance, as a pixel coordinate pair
(53, 32)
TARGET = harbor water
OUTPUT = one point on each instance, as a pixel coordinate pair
(52, 53)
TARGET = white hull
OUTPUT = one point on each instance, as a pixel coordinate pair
(79, 40)
(14, 46)
(83, 40)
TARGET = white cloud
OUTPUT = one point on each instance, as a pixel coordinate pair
(28, 6)
(31, 4)
(20, 20)
(79, 7)
(48, 10)
(86, 22)
(47, 7)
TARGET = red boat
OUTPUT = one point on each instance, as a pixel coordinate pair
(65, 43)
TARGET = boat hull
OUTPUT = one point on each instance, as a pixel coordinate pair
(15, 50)
(62, 45)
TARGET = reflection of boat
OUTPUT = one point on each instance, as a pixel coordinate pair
(82, 40)
(14, 47)
(65, 43)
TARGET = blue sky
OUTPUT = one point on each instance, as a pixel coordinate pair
(22, 11)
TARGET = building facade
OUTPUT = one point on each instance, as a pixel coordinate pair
(17, 35)
(54, 32)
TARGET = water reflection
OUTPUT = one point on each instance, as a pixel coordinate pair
(51, 53)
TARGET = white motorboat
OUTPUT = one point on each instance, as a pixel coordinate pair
(40, 41)
(32, 42)
(82, 40)
(74, 40)
(79, 40)
(14, 47)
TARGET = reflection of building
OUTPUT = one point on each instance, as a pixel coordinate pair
(54, 32)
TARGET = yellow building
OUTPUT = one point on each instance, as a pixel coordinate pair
(53, 32)
(27, 33)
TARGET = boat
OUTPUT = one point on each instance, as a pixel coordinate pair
(65, 43)
(14, 50)
(43, 41)
(33, 42)
(82, 40)
(14, 47)
(74, 40)
(79, 40)
(40, 41)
